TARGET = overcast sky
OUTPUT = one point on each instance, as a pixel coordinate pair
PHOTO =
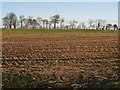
(80, 11)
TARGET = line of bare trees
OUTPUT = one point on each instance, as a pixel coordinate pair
(56, 22)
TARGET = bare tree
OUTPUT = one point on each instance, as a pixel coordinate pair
(67, 27)
(61, 23)
(55, 20)
(100, 24)
(39, 21)
(73, 23)
(115, 27)
(90, 21)
(34, 24)
(82, 25)
(30, 21)
(21, 20)
(47, 23)
(103, 24)
(6, 22)
(93, 26)
(12, 19)
(26, 23)
(108, 26)
(44, 22)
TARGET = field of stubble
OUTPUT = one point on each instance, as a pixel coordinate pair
(60, 59)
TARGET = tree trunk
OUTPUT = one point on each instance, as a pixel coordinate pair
(72, 26)
(54, 25)
(43, 25)
(10, 26)
(5, 26)
(21, 25)
(14, 25)
(61, 25)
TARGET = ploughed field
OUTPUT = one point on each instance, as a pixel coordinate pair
(60, 59)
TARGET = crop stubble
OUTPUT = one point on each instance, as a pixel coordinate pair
(60, 55)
